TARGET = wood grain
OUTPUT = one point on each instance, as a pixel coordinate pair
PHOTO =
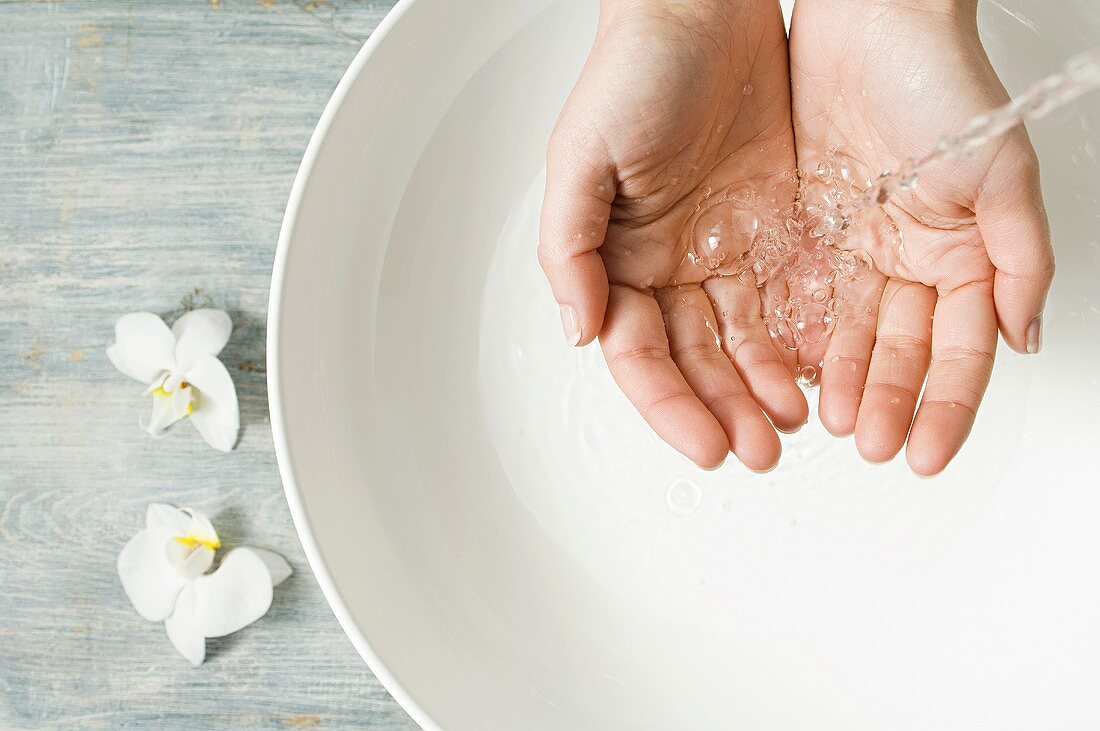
(146, 153)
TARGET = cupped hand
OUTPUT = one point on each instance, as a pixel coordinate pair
(682, 112)
(965, 252)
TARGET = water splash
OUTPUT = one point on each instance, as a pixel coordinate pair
(1080, 75)
(806, 243)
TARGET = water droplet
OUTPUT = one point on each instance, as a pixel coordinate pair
(747, 89)
(683, 497)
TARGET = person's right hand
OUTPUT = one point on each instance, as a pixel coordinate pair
(678, 99)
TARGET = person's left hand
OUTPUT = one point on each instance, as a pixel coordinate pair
(964, 252)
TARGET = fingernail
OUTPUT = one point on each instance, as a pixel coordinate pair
(765, 470)
(795, 430)
(1035, 335)
(714, 468)
(570, 324)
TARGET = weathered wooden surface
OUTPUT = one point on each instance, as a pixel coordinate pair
(146, 153)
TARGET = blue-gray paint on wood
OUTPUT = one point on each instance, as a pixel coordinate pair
(146, 153)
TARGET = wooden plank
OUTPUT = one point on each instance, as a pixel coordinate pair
(147, 151)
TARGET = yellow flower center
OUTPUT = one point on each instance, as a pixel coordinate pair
(194, 542)
(159, 392)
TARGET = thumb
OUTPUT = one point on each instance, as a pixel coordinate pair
(1013, 224)
(580, 186)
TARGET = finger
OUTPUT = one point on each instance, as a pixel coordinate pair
(1013, 223)
(848, 354)
(898, 365)
(580, 187)
(637, 352)
(746, 342)
(697, 351)
(964, 341)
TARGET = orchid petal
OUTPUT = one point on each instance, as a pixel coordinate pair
(217, 414)
(162, 417)
(147, 578)
(183, 628)
(143, 347)
(200, 333)
(277, 566)
(156, 385)
(235, 595)
(181, 403)
(200, 527)
(165, 517)
(198, 563)
(190, 561)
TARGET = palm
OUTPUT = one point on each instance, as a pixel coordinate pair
(685, 110)
(949, 248)
(684, 136)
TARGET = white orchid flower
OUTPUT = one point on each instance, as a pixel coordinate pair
(182, 371)
(163, 571)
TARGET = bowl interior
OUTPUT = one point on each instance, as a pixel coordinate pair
(508, 544)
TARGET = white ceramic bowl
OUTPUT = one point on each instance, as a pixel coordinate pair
(508, 546)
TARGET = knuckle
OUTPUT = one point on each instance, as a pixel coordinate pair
(639, 355)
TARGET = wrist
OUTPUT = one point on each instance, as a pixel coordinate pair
(957, 14)
(677, 5)
(960, 8)
(677, 8)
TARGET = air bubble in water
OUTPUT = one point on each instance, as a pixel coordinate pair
(741, 196)
(814, 322)
(852, 171)
(722, 236)
(864, 264)
(830, 222)
(783, 329)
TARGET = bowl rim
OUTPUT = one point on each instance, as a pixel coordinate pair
(275, 400)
